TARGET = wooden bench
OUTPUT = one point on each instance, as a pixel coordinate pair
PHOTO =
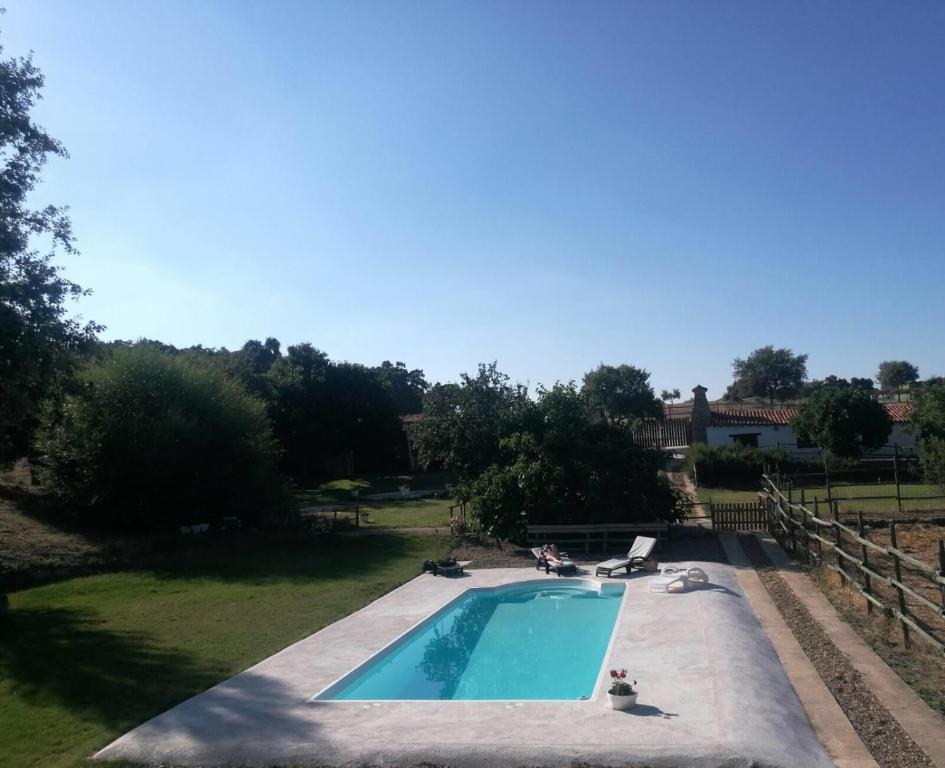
(607, 535)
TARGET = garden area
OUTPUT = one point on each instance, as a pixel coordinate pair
(335, 500)
(84, 660)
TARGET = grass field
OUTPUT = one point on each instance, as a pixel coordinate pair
(410, 513)
(339, 491)
(851, 496)
(84, 660)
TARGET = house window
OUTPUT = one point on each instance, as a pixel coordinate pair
(748, 439)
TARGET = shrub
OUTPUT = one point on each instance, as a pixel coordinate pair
(933, 460)
(733, 466)
(741, 466)
(151, 441)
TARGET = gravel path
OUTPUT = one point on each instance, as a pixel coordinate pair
(886, 740)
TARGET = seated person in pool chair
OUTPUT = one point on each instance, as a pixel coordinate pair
(549, 558)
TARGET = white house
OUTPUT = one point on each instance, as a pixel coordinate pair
(770, 428)
(724, 423)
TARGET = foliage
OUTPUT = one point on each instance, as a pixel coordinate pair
(843, 421)
(741, 466)
(928, 416)
(621, 394)
(330, 418)
(152, 441)
(835, 381)
(894, 374)
(405, 387)
(733, 466)
(566, 469)
(768, 372)
(619, 685)
(38, 340)
(463, 423)
(670, 395)
(932, 458)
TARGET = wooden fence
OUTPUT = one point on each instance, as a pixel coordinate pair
(894, 581)
(739, 516)
(607, 535)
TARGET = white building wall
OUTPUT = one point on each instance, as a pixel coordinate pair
(771, 435)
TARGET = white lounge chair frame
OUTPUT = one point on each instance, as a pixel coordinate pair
(639, 554)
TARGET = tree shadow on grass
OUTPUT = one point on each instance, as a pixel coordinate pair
(119, 679)
(114, 678)
(297, 560)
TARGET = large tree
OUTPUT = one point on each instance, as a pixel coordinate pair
(152, 440)
(776, 374)
(463, 423)
(896, 374)
(621, 394)
(406, 386)
(564, 468)
(38, 340)
(842, 420)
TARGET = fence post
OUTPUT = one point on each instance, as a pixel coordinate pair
(820, 544)
(897, 569)
(896, 476)
(941, 570)
(864, 554)
(838, 539)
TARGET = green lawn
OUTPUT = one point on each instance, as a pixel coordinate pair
(854, 492)
(410, 513)
(84, 660)
(337, 491)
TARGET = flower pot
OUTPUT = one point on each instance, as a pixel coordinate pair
(622, 703)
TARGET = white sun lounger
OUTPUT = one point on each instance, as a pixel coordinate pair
(639, 553)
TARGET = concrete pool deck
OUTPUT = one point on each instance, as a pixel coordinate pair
(712, 693)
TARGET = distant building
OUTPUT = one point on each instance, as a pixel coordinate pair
(726, 423)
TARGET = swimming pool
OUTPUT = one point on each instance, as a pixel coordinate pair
(537, 640)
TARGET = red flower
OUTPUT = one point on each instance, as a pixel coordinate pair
(623, 674)
(613, 673)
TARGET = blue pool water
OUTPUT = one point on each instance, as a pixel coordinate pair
(531, 641)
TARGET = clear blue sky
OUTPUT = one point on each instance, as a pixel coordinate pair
(547, 184)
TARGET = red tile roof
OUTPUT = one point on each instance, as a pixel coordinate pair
(724, 417)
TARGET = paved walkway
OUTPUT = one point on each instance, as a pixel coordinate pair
(925, 726)
(712, 693)
(829, 722)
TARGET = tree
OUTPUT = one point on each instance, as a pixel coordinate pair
(621, 394)
(406, 387)
(151, 441)
(463, 423)
(776, 374)
(38, 341)
(565, 469)
(928, 417)
(251, 364)
(843, 421)
(670, 396)
(896, 374)
(835, 381)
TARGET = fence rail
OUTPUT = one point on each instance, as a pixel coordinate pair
(820, 538)
(606, 534)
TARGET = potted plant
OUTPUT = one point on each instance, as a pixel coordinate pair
(621, 694)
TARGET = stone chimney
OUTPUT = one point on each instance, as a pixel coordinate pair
(700, 415)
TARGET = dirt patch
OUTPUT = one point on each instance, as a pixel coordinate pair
(919, 665)
(886, 740)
